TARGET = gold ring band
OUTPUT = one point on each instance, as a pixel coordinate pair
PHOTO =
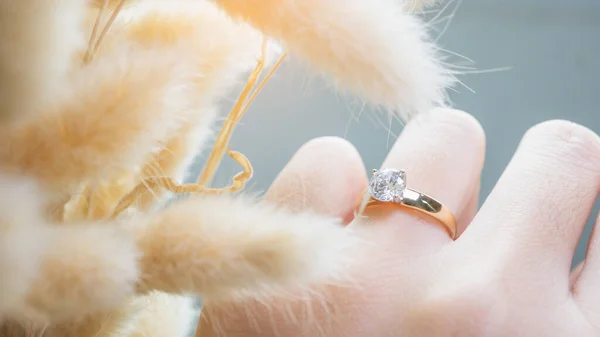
(388, 186)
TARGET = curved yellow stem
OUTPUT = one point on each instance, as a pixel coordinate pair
(239, 182)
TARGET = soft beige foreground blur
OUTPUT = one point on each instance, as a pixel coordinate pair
(80, 127)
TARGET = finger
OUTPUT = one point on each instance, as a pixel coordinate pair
(587, 284)
(325, 176)
(442, 153)
(470, 211)
(538, 209)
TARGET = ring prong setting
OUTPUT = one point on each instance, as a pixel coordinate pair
(388, 185)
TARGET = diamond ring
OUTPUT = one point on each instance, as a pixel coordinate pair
(388, 186)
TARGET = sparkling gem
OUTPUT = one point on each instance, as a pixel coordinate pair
(387, 185)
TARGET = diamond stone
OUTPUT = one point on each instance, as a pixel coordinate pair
(387, 185)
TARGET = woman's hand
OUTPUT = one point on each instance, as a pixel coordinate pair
(508, 273)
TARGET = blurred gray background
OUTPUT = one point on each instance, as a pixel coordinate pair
(551, 46)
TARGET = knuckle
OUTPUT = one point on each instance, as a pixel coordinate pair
(332, 141)
(446, 310)
(567, 141)
(331, 149)
(458, 125)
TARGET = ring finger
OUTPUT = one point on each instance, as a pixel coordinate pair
(442, 153)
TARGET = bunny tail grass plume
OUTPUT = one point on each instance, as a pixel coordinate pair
(49, 272)
(100, 324)
(33, 65)
(159, 69)
(23, 241)
(154, 315)
(115, 113)
(217, 246)
(161, 315)
(375, 49)
(89, 268)
(223, 247)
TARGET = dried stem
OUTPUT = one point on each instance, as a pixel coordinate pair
(239, 182)
(218, 150)
(79, 205)
(264, 82)
(94, 47)
(110, 21)
(88, 52)
(236, 113)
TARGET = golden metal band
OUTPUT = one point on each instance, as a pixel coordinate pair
(423, 204)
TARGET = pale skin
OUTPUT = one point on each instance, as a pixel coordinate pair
(507, 274)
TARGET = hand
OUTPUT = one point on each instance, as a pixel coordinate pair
(508, 273)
